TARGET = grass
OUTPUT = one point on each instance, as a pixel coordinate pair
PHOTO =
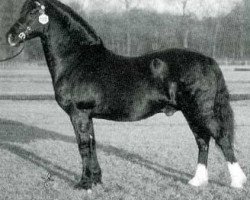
(149, 159)
(25, 79)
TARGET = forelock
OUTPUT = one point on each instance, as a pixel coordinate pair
(27, 6)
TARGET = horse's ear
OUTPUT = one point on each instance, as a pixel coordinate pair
(38, 3)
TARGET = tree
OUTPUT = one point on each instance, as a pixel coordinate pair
(212, 26)
(238, 15)
(184, 24)
(247, 26)
(129, 4)
(183, 27)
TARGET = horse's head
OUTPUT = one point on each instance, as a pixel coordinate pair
(32, 23)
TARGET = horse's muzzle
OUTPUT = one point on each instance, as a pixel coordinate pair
(15, 40)
(10, 40)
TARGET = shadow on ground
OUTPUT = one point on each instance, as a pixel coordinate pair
(13, 131)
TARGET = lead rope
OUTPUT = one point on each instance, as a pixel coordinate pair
(12, 57)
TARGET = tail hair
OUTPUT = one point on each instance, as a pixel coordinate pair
(223, 109)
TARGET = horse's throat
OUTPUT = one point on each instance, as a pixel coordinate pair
(54, 62)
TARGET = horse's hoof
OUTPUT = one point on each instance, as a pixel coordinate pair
(239, 183)
(201, 176)
(89, 191)
(97, 180)
(97, 177)
(83, 185)
(197, 182)
(237, 175)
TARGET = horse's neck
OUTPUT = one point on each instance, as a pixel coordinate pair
(63, 45)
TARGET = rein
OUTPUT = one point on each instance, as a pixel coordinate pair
(12, 57)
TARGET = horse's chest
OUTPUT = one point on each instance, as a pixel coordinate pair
(79, 94)
(63, 96)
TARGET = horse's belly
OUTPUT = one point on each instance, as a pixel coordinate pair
(122, 117)
(130, 112)
(146, 109)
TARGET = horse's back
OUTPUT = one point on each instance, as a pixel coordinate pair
(182, 58)
(122, 88)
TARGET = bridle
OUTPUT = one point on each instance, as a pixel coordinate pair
(28, 29)
(23, 34)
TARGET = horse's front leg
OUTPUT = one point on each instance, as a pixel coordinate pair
(91, 172)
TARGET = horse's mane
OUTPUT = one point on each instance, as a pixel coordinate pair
(72, 15)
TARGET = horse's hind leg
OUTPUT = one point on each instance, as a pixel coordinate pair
(204, 126)
(83, 126)
(225, 141)
(202, 131)
(237, 175)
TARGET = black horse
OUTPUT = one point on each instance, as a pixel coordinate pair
(92, 82)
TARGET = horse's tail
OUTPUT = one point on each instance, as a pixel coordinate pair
(223, 110)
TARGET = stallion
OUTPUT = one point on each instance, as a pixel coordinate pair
(91, 81)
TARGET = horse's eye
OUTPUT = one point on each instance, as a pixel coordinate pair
(32, 12)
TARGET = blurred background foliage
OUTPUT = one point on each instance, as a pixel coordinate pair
(225, 36)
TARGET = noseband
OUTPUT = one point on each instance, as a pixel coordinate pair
(23, 34)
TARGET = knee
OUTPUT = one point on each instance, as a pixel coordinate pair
(84, 148)
(84, 127)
